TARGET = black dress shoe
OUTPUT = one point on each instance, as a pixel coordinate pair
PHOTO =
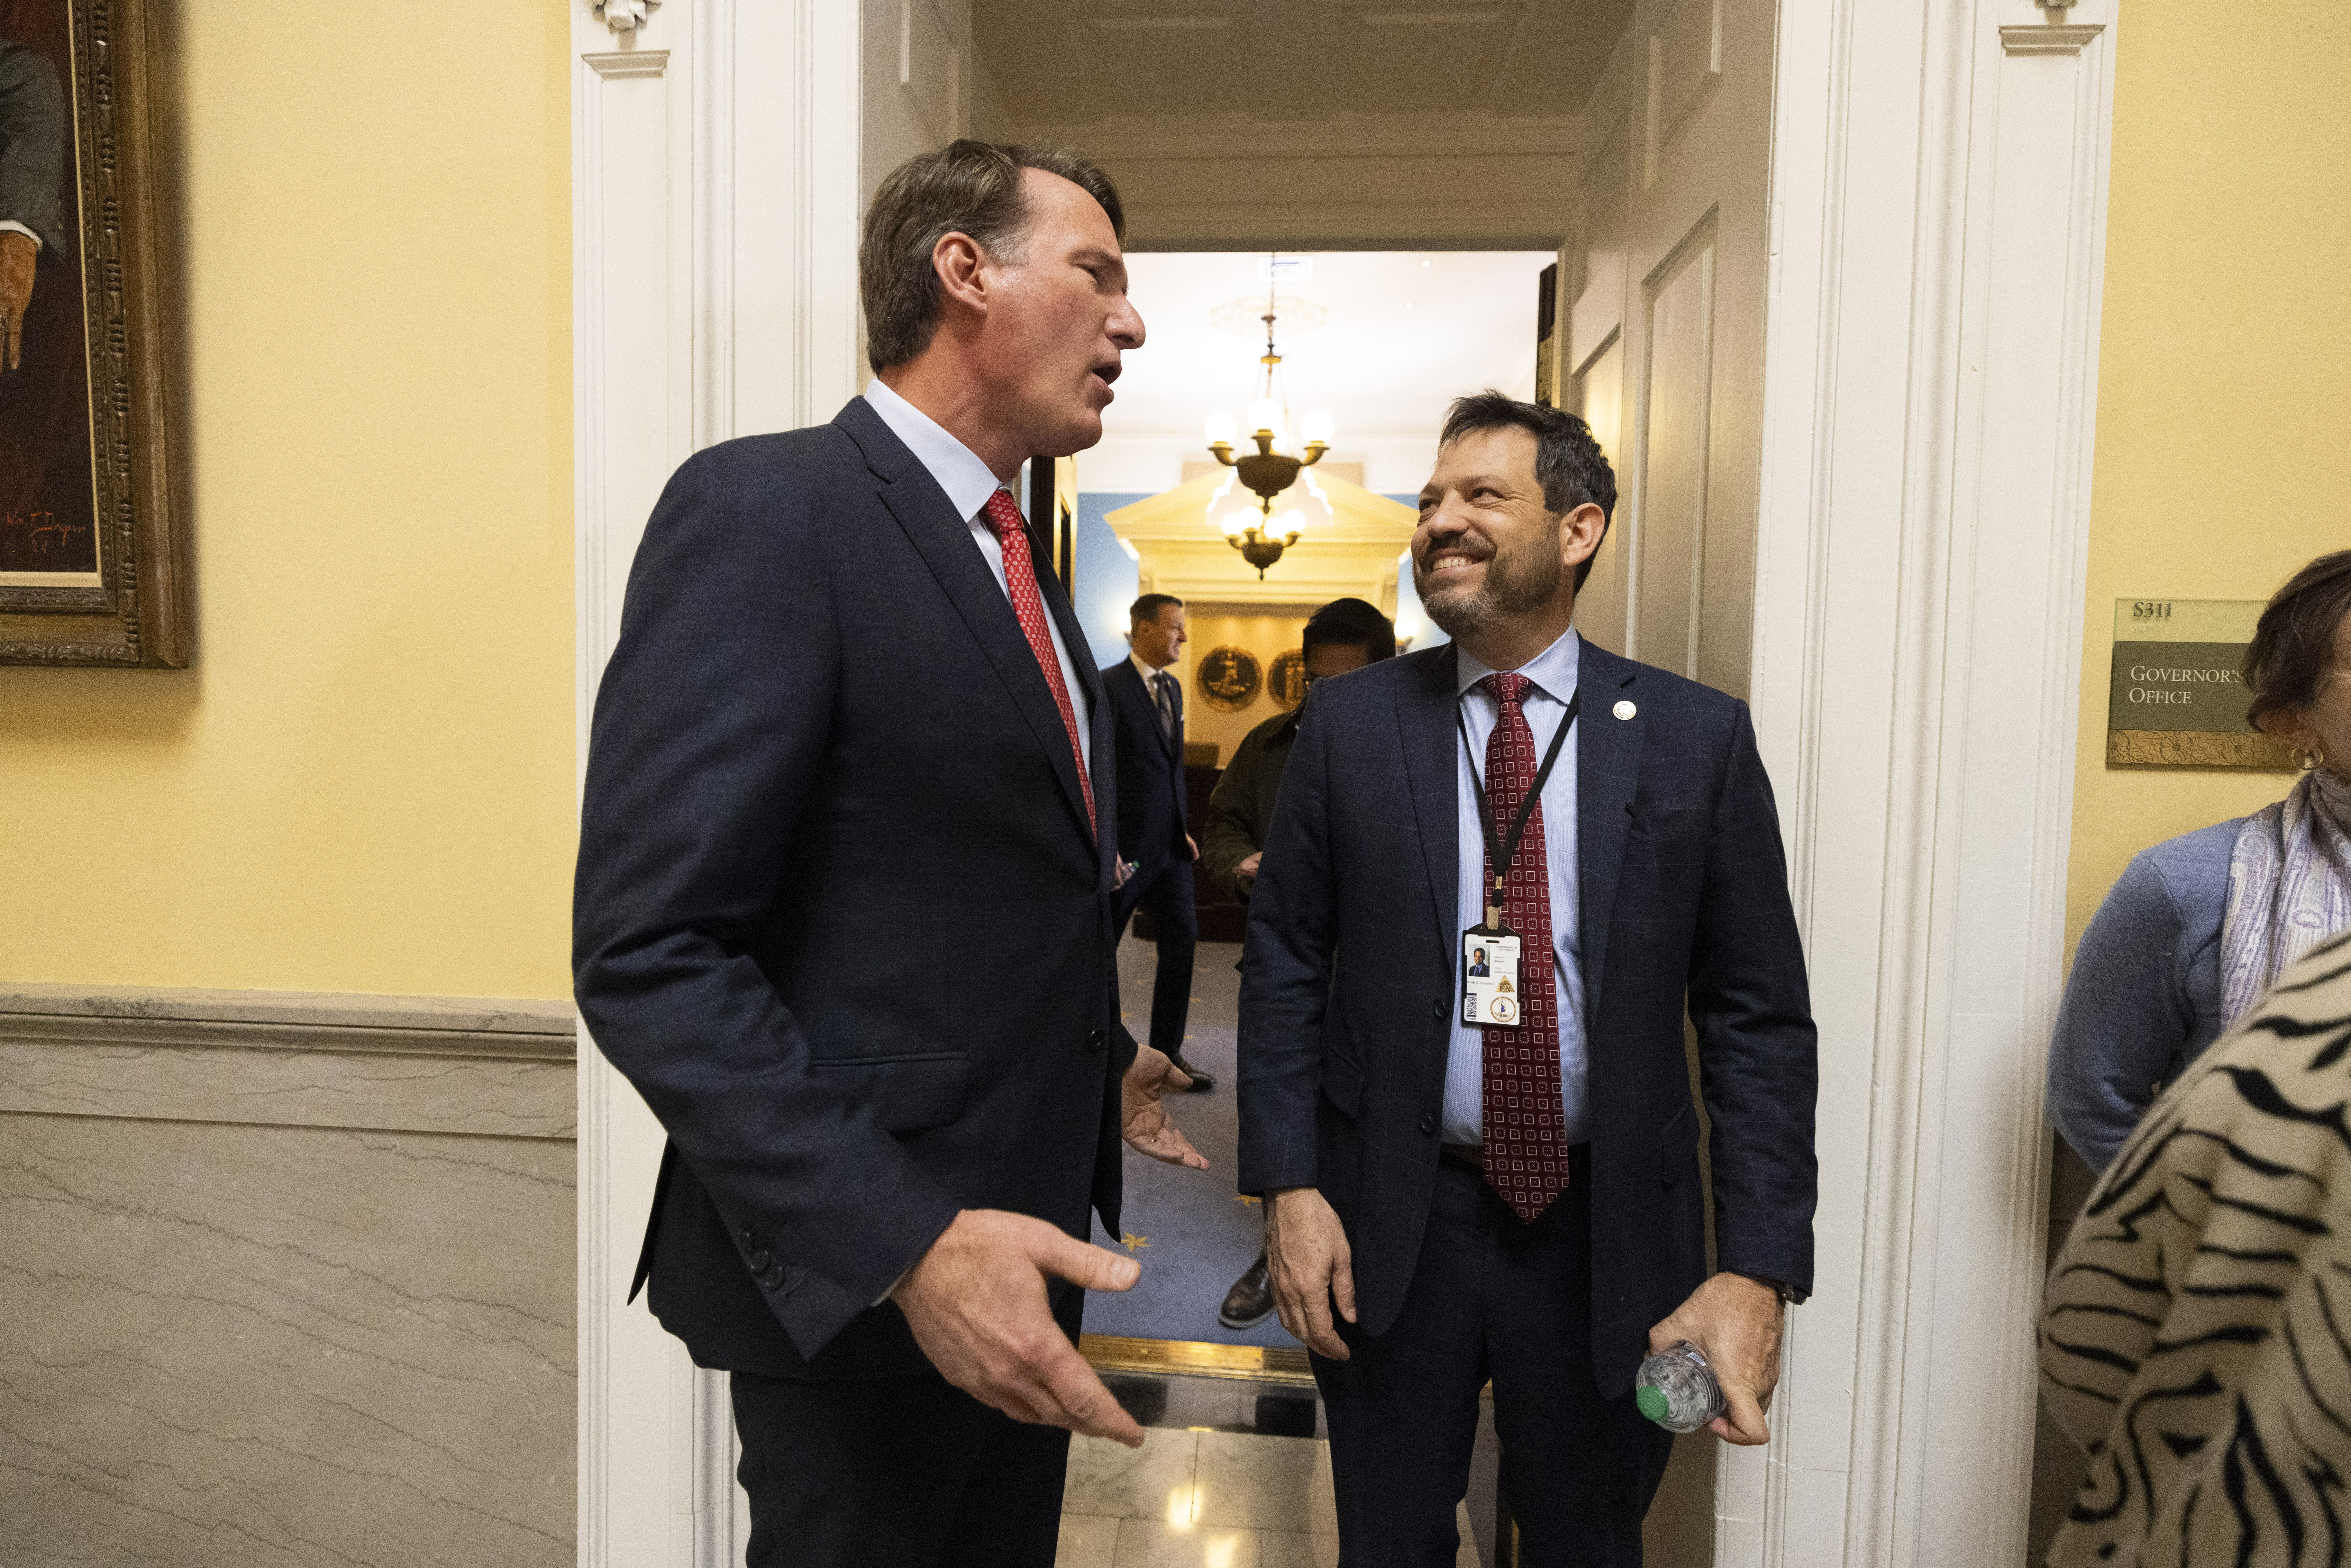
(1201, 1082)
(1250, 1301)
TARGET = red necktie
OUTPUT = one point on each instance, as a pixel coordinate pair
(1029, 607)
(1526, 1115)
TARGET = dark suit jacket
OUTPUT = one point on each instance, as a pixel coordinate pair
(840, 915)
(32, 144)
(1150, 774)
(1347, 986)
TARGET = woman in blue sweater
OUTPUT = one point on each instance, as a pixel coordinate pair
(2202, 925)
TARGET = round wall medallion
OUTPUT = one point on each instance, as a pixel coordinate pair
(1228, 677)
(1287, 684)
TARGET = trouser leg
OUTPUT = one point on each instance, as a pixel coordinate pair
(1176, 918)
(904, 1470)
(1579, 1469)
(1403, 1409)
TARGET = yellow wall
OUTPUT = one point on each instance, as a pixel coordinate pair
(2224, 376)
(365, 783)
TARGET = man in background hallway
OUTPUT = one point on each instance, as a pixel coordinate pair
(842, 718)
(1344, 634)
(1449, 1202)
(1149, 705)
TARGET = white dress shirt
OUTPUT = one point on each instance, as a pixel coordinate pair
(1552, 672)
(968, 483)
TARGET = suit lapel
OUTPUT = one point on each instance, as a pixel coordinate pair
(944, 541)
(1608, 769)
(1425, 717)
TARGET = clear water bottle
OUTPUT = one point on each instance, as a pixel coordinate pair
(1675, 1388)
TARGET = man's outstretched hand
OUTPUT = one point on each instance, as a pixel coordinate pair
(1143, 1122)
(976, 1304)
(1735, 1322)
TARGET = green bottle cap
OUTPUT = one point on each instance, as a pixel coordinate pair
(1651, 1401)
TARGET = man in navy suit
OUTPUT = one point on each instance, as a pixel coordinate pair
(1448, 1203)
(1149, 703)
(842, 720)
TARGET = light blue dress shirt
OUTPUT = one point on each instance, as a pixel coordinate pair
(968, 483)
(1553, 673)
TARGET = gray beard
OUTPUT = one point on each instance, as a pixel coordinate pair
(1511, 587)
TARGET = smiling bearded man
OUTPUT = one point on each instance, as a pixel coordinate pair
(1488, 1170)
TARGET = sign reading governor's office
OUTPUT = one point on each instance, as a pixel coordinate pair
(2178, 695)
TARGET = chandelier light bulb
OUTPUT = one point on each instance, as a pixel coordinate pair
(1320, 428)
(1235, 524)
(1292, 522)
(1266, 414)
(1222, 429)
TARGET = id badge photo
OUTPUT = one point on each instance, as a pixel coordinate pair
(1490, 978)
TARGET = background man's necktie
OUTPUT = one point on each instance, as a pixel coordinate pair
(1029, 607)
(1163, 686)
(1526, 1131)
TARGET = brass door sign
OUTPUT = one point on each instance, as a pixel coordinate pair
(2177, 698)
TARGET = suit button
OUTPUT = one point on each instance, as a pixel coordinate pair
(773, 1279)
(1428, 1123)
(1093, 1040)
(1437, 1008)
(761, 1262)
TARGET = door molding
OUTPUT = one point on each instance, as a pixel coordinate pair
(1938, 221)
(1939, 192)
(715, 213)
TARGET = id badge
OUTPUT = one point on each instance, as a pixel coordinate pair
(1490, 978)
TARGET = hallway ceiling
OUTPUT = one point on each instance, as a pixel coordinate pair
(1402, 333)
(1463, 63)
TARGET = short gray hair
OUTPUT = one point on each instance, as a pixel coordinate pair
(968, 187)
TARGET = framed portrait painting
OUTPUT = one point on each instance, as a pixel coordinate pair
(93, 567)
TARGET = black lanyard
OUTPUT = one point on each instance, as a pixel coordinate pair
(1500, 855)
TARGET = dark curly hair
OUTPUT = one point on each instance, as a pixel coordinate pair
(1568, 461)
(2292, 650)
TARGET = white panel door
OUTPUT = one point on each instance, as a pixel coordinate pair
(1666, 329)
(1668, 269)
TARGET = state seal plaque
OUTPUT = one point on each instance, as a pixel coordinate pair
(1228, 677)
(1287, 683)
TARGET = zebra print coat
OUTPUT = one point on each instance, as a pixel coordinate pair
(2197, 1334)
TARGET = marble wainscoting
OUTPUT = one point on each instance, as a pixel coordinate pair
(286, 1278)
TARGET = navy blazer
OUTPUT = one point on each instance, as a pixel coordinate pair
(1347, 986)
(841, 917)
(1150, 774)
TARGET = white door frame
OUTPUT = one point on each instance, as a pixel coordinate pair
(1940, 176)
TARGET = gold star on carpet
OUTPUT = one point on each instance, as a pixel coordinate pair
(1132, 1242)
(1243, 1198)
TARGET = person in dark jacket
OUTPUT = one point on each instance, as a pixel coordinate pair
(1453, 1199)
(1344, 634)
(842, 719)
(1148, 704)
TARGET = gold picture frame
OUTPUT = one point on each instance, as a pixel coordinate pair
(93, 559)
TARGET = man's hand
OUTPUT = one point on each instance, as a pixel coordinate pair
(1736, 1322)
(1248, 868)
(19, 252)
(1193, 844)
(1143, 1122)
(1312, 1267)
(976, 1304)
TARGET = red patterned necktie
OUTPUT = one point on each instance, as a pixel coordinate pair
(1526, 1115)
(1029, 606)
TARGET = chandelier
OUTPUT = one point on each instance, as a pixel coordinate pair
(1270, 470)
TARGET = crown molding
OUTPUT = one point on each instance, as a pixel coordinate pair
(614, 64)
(2070, 38)
(1220, 138)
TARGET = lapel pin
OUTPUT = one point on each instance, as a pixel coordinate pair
(1626, 710)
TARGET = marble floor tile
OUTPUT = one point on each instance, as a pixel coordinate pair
(1155, 1481)
(1256, 1482)
(1147, 1543)
(1088, 1541)
(1293, 1549)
